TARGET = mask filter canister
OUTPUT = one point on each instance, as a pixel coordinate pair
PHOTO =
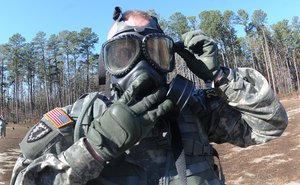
(180, 91)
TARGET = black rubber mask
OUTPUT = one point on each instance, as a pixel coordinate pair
(142, 67)
(138, 50)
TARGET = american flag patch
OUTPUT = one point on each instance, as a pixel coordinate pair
(58, 117)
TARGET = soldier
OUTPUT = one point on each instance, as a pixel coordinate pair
(147, 131)
(2, 127)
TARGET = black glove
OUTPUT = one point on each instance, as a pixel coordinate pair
(200, 54)
(128, 120)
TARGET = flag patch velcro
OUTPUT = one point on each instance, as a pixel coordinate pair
(58, 117)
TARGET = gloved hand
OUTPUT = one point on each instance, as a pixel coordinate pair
(200, 53)
(127, 120)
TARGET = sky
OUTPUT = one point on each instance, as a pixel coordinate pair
(28, 17)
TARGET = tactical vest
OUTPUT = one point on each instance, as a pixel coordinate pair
(151, 161)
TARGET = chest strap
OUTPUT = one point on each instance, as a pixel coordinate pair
(192, 147)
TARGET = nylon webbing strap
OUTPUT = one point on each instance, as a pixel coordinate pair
(178, 151)
(101, 70)
(86, 105)
(221, 174)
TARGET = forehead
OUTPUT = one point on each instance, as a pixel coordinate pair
(136, 20)
(133, 20)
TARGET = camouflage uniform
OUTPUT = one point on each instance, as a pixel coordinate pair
(246, 112)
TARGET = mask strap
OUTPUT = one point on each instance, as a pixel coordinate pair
(117, 15)
(104, 77)
(157, 25)
(102, 71)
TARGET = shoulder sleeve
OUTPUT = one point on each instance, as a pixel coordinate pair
(49, 153)
(46, 133)
(59, 124)
(251, 112)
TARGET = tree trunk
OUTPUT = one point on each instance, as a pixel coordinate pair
(46, 85)
(269, 59)
(16, 98)
(87, 71)
(2, 86)
(266, 63)
(296, 70)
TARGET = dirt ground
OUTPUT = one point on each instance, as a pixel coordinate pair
(273, 163)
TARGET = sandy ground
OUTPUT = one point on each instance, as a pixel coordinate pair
(273, 163)
(9, 151)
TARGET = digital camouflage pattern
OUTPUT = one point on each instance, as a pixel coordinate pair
(246, 112)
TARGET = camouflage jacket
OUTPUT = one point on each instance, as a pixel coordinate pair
(244, 113)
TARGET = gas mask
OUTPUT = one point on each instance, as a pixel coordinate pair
(133, 51)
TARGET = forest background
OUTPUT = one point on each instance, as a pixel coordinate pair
(47, 72)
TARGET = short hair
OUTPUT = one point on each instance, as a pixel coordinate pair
(125, 16)
(139, 13)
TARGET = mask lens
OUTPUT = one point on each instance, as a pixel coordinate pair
(120, 54)
(159, 50)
